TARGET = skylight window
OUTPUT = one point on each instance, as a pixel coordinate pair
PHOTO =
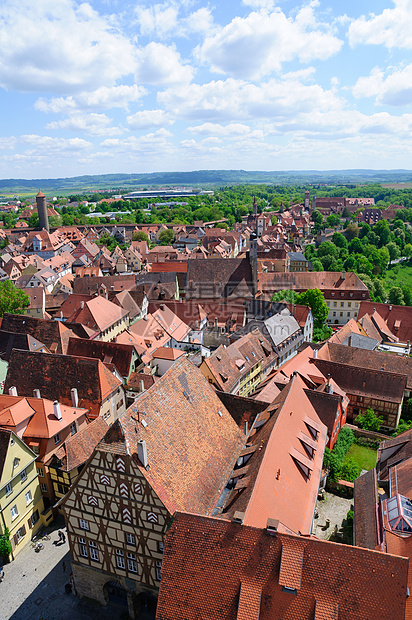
(400, 514)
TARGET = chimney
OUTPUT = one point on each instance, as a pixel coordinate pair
(327, 388)
(13, 391)
(390, 308)
(142, 453)
(82, 305)
(238, 516)
(246, 428)
(350, 341)
(162, 307)
(56, 409)
(61, 314)
(36, 393)
(75, 397)
(315, 354)
(343, 275)
(141, 385)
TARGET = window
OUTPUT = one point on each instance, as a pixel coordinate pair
(342, 303)
(8, 488)
(43, 487)
(23, 475)
(340, 313)
(159, 570)
(349, 304)
(73, 429)
(14, 512)
(348, 314)
(120, 559)
(130, 539)
(20, 534)
(94, 554)
(57, 438)
(161, 546)
(131, 562)
(84, 525)
(335, 303)
(83, 548)
(28, 497)
(16, 463)
(334, 314)
(34, 518)
(40, 472)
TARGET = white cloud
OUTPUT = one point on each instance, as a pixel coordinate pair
(91, 124)
(46, 146)
(155, 140)
(233, 100)
(105, 97)
(161, 65)
(260, 43)
(60, 47)
(392, 27)
(395, 89)
(158, 19)
(148, 118)
(214, 129)
(7, 144)
(259, 4)
(199, 21)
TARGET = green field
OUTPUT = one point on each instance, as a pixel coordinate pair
(363, 456)
(399, 275)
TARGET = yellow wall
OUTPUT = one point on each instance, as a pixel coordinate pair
(17, 497)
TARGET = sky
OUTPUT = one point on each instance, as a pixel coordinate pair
(111, 86)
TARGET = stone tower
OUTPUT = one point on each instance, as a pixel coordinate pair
(307, 200)
(42, 211)
(254, 206)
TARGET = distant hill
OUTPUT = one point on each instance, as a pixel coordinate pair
(204, 178)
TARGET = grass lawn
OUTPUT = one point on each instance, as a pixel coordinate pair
(399, 275)
(363, 456)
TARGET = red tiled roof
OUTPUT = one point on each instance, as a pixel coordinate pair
(78, 448)
(190, 454)
(207, 583)
(398, 319)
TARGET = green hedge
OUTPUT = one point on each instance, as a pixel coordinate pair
(333, 459)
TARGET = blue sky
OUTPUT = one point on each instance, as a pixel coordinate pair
(114, 86)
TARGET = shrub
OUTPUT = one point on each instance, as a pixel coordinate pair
(5, 546)
(369, 420)
(333, 459)
(350, 471)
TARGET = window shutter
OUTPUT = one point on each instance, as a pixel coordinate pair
(15, 540)
(24, 529)
(29, 523)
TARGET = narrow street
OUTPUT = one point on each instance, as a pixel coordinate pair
(33, 587)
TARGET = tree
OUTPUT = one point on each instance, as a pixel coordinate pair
(315, 300)
(339, 240)
(288, 295)
(317, 265)
(12, 299)
(396, 297)
(140, 236)
(352, 231)
(382, 230)
(5, 546)
(393, 249)
(407, 250)
(333, 220)
(166, 237)
(369, 420)
(317, 217)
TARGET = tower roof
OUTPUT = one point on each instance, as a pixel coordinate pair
(40, 194)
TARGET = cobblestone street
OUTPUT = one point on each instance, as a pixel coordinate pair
(34, 586)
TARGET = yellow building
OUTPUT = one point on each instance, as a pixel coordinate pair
(21, 502)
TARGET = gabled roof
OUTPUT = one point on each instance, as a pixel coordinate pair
(192, 441)
(98, 314)
(360, 358)
(44, 424)
(377, 384)
(237, 569)
(366, 527)
(25, 342)
(78, 448)
(398, 319)
(229, 364)
(53, 334)
(94, 382)
(121, 355)
(14, 410)
(281, 478)
(219, 278)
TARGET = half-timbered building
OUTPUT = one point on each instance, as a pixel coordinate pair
(173, 449)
